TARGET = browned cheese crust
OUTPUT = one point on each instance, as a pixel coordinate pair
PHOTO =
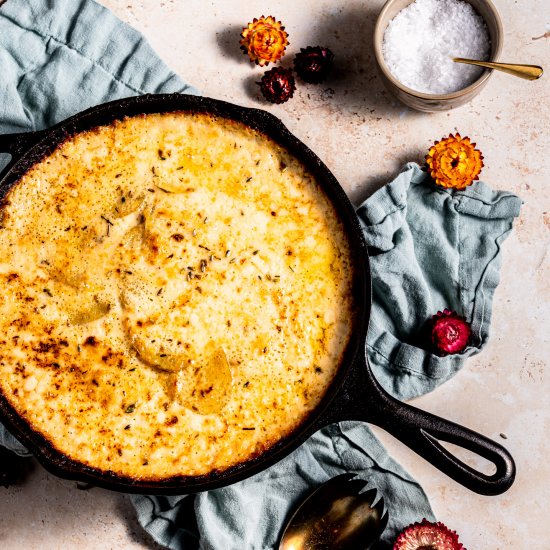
(176, 295)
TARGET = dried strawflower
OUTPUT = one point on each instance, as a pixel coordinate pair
(450, 332)
(277, 85)
(264, 40)
(312, 64)
(427, 536)
(454, 162)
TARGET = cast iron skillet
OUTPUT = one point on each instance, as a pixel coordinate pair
(354, 393)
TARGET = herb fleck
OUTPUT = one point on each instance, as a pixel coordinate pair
(130, 408)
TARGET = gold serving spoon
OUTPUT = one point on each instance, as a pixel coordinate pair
(336, 516)
(529, 72)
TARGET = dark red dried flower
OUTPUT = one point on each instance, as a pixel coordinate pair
(277, 85)
(312, 64)
(428, 535)
(450, 332)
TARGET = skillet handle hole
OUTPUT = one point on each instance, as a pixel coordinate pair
(475, 461)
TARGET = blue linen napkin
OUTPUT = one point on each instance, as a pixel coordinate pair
(436, 249)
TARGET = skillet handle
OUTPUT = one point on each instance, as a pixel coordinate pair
(362, 398)
(422, 432)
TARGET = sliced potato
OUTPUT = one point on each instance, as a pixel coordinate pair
(89, 308)
(154, 353)
(128, 203)
(206, 388)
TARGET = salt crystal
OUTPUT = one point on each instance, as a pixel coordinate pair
(421, 40)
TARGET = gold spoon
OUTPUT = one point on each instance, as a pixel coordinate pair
(336, 516)
(529, 72)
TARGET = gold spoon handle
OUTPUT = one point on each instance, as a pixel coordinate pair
(529, 72)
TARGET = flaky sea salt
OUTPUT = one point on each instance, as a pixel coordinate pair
(421, 40)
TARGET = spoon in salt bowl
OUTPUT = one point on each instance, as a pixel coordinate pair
(528, 72)
(336, 516)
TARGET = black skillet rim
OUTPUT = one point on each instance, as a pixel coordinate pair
(33, 150)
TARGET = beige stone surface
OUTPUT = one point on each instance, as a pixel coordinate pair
(364, 137)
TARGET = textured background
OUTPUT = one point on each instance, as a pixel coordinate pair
(364, 137)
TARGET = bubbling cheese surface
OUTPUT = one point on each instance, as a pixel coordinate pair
(176, 295)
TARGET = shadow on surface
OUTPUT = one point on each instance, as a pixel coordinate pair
(355, 79)
(376, 181)
(228, 41)
(127, 514)
(252, 90)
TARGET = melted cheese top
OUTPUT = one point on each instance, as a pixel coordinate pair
(176, 295)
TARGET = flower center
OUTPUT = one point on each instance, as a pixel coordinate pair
(452, 335)
(454, 162)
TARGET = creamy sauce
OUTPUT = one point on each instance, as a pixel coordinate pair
(176, 295)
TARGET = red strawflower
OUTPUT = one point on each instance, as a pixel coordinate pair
(277, 85)
(427, 536)
(450, 332)
(312, 64)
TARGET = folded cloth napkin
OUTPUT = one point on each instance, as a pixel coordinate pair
(432, 248)
(435, 249)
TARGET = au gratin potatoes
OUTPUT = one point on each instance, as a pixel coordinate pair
(175, 295)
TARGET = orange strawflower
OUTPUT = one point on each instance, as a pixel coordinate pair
(264, 40)
(454, 162)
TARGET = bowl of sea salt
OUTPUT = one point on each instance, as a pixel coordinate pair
(415, 42)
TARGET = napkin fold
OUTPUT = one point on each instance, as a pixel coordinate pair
(435, 249)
